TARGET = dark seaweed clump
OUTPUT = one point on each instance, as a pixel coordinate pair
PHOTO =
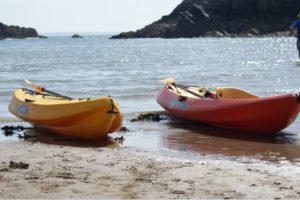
(154, 117)
(12, 130)
(123, 129)
(18, 165)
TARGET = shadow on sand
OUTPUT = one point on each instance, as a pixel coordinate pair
(40, 135)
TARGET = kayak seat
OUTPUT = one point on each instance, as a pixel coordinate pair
(204, 91)
(233, 93)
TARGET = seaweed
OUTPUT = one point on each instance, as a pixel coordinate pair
(155, 117)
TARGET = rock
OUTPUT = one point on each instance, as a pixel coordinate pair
(43, 37)
(16, 32)
(197, 18)
(76, 36)
(18, 165)
(123, 129)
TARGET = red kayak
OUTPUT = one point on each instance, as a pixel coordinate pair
(231, 108)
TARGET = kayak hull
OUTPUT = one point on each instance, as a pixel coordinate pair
(81, 118)
(265, 115)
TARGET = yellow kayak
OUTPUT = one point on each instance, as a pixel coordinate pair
(82, 118)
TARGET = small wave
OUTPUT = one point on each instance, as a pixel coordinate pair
(249, 62)
(135, 96)
(278, 91)
(31, 38)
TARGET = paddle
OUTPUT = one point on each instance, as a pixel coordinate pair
(37, 88)
(171, 82)
(41, 90)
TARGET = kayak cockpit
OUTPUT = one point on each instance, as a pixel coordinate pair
(204, 92)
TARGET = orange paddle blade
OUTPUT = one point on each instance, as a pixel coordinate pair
(37, 88)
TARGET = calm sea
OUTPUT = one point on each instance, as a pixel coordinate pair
(129, 70)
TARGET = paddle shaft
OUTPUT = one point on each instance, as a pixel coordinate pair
(56, 94)
(40, 90)
(171, 82)
(185, 89)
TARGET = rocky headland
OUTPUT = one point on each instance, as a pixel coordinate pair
(16, 32)
(218, 18)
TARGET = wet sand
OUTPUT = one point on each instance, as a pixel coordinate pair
(158, 160)
(56, 171)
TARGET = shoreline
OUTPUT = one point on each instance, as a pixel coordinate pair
(56, 171)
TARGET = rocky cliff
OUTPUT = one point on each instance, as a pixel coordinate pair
(196, 18)
(16, 32)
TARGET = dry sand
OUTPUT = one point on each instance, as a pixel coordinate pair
(57, 171)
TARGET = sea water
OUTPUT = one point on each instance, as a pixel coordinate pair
(129, 70)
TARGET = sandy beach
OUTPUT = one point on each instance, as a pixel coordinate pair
(38, 170)
(68, 66)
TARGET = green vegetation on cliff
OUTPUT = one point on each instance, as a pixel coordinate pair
(16, 32)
